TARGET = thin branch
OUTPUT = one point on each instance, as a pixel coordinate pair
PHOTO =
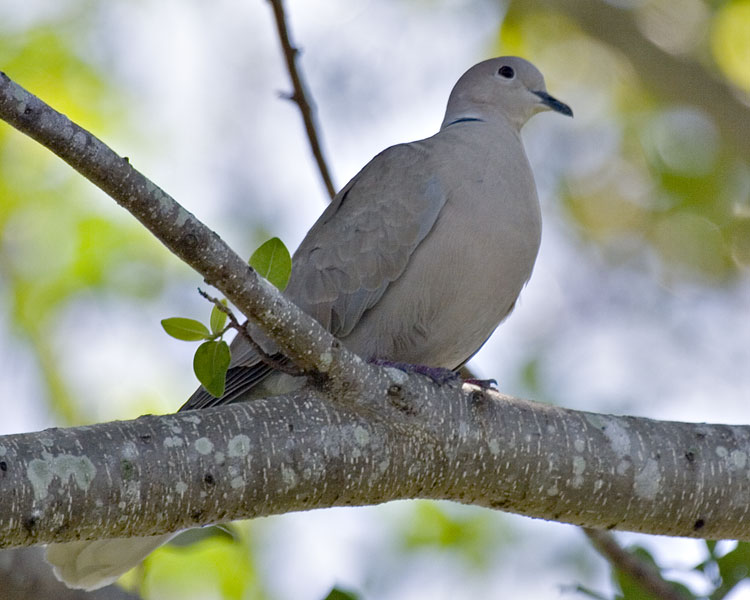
(301, 96)
(646, 575)
(242, 331)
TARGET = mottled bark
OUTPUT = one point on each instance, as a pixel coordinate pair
(405, 439)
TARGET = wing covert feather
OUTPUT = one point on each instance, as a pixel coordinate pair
(364, 239)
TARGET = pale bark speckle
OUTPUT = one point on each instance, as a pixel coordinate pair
(239, 445)
(204, 445)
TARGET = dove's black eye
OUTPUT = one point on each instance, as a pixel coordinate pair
(506, 72)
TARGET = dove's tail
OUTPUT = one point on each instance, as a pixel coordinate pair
(92, 564)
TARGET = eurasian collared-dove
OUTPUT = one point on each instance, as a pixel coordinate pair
(417, 260)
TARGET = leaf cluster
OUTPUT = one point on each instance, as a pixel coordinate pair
(213, 357)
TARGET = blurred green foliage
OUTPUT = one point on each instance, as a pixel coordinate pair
(56, 244)
(669, 180)
(630, 589)
(730, 41)
(725, 570)
(721, 572)
(217, 567)
(339, 594)
(467, 533)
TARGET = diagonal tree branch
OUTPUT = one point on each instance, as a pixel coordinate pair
(310, 346)
(301, 95)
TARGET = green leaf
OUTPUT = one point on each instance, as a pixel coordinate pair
(188, 330)
(711, 547)
(338, 594)
(218, 318)
(272, 261)
(734, 567)
(210, 364)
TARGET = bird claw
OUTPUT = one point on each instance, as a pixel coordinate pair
(485, 384)
(437, 374)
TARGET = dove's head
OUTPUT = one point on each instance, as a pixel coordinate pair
(508, 87)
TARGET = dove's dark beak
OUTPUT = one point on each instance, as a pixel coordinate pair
(554, 104)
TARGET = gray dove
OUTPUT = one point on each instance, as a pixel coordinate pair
(416, 260)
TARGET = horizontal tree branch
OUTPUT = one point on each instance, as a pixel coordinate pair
(164, 473)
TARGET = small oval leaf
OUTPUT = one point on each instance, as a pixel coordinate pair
(218, 318)
(272, 261)
(210, 364)
(188, 330)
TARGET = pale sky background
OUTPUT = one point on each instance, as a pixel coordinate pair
(202, 80)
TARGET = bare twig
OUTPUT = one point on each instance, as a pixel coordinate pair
(300, 95)
(241, 330)
(646, 575)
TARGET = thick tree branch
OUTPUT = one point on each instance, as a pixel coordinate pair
(300, 95)
(420, 440)
(300, 337)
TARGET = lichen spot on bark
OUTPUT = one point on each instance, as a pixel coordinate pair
(361, 436)
(738, 459)
(579, 466)
(204, 446)
(173, 442)
(289, 477)
(615, 431)
(326, 358)
(41, 472)
(647, 481)
(238, 446)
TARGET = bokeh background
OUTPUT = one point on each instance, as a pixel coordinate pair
(639, 303)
